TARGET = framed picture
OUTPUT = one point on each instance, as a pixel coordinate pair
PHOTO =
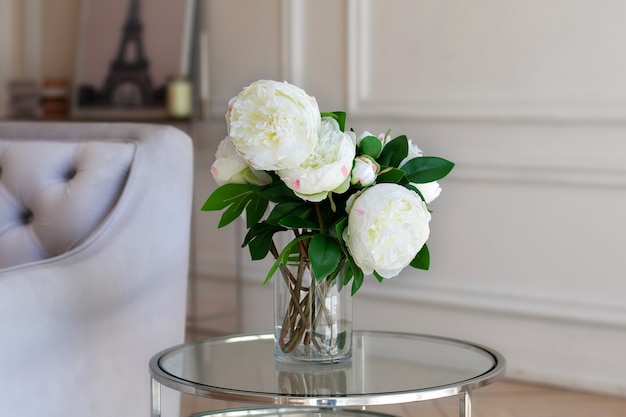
(128, 51)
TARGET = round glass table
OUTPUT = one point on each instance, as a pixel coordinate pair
(385, 368)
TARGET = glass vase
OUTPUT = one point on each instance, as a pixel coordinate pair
(312, 319)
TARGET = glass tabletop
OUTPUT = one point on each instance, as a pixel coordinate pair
(385, 368)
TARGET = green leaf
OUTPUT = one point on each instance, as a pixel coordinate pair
(370, 145)
(226, 195)
(423, 169)
(379, 277)
(259, 239)
(358, 277)
(255, 210)
(391, 175)
(235, 209)
(352, 270)
(278, 192)
(341, 339)
(295, 222)
(282, 210)
(347, 275)
(422, 259)
(339, 228)
(394, 152)
(236, 197)
(324, 254)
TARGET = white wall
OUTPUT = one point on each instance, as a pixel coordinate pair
(529, 99)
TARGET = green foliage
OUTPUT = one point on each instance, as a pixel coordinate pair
(259, 239)
(425, 169)
(277, 192)
(358, 276)
(422, 259)
(296, 209)
(234, 196)
(394, 152)
(371, 146)
(255, 210)
(324, 254)
(392, 175)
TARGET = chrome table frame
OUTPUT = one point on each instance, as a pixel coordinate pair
(463, 388)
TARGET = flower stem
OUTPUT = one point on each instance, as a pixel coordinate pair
(320, 218)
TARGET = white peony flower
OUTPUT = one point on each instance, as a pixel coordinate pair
(387, 227)
(230, 168)
(327, 168)
(364, 171)
(273, 125)
(429, 190)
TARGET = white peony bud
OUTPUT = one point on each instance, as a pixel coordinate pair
(429, 190)
(382, 137)
(364, 171)
(230, 168)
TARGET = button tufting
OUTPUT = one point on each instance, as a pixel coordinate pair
(27, 216)
(71, 173)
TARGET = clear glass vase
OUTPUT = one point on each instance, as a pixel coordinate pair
(312, 319)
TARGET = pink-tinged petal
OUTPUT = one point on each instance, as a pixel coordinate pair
(344, 170)
(360, 212)
(296, 185)
(214, 170)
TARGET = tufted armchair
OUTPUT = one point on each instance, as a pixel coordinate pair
(94, 244)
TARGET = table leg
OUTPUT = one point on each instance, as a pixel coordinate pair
(465, 404)
(155, 396)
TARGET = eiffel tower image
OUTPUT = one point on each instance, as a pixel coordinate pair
(128, 82)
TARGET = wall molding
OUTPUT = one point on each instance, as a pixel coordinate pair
(293, 23)
(534, 306)
(529, 174)
(362, 103)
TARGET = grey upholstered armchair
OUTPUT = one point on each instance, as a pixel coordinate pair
(94, 244)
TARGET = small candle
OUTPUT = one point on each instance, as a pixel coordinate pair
(179, 98)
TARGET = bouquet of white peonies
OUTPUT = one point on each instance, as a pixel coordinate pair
(356, 206)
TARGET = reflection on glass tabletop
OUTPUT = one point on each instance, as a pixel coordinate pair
(385, 368)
